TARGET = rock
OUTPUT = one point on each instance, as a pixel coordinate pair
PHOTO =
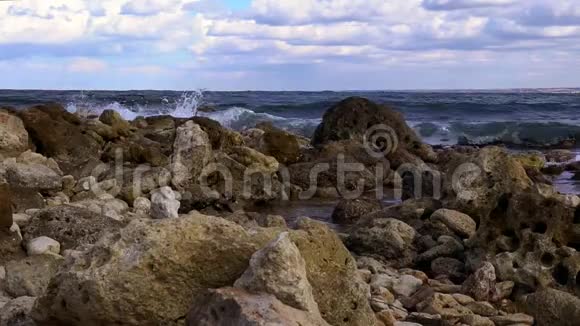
(552, 307)
(162, 264)
(349, 211)
(280, 270)
(475, 183)
(5, 207)
(221, 138)
(425, 319)
(120, 127)
(481, 284)
(10, 244)
(458, 222)
(281, 145)
(386, 317)
(559, 155)
(70, 226)
(13, 135)
(191, 153)
(142, 206)
(58, 134)
(389, 238)
(482, 308)
(522, 319)
(448, 266)
(504, 290)
(33, 176)
(535, 160)
(446, 247)
(16, 312)
(352, 118)
(444, 305)
(475, 320)
(30, 276)
(239, 308)
(43, 246)
(164, 204)
(553, 170)
(407, 285)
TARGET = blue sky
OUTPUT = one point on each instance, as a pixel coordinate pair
(289, 45)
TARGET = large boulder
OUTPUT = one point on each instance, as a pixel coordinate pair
(221, 138)
(58, 134)
(33, 176)
(10, 245)
(17, 312)
(240, 308)
(280, 144)
(191, 153)
(552, 307)
(13, 135)
(120, 126)
(476, 183)
(149, 271)
(354, 118)
(386, 238)
(69, 225)
(280, 270)
(349, 211)
(30, 276)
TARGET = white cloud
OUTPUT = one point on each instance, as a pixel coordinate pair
(87, 65)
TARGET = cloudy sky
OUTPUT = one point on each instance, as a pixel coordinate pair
(289, 44)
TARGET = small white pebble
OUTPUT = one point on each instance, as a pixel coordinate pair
(43, 246)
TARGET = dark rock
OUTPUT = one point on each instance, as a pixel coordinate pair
(30, 276)
(353, 117)
(552, 307)
(349, 211)
(58, 134)
(553, 169)
(69, 225)
(239, 308)
(114, 119)
(281, 145)
(10, 246)
(220, 137)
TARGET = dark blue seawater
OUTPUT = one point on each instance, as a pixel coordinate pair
(443, 117)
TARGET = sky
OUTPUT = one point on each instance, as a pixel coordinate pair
(289, 44)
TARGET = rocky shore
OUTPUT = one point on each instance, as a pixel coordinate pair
(151, 222)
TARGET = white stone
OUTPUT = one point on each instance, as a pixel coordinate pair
(142, 206)
(407, 285)
(279, 269)
(164, 204)
(43, 246)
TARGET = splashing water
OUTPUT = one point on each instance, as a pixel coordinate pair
(187, 105)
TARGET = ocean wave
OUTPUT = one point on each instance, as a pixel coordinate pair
(527, 134)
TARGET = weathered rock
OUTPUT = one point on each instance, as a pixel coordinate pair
(137, 150)
(552, 307)
(58, 134)
(70, 226)
(444, 305)
(481, 284)
(353, 117)
(448, 266)
(5, 207)
(280, 270)
(281, 145)
(33, 176)
(407, 285)
(30, 276)
(10, 244)
(446, 247)
(424, 319)
(349, 211)
(221, 138)
(458, 222)
(164, 204)
(43, 246)
(475, 320)
(482, 308)
(191, 153)
(142, 206)
(13, 135)
(239, 308)
(161, 264)
(114, 119)
(17, 312)
(519, 319)
(560, 155)
(476, 183)
(388, 238)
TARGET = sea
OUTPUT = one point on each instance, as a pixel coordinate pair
(530, 116)
(542, 117)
